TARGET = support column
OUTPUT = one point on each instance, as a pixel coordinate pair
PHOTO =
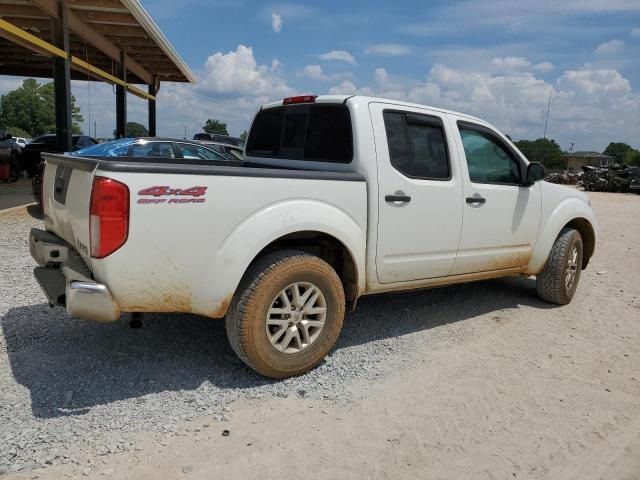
(121, 100)
(152, 109)
(62, 80)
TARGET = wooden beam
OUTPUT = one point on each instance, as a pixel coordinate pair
(120, 30)
(113, 18)
(92, 36)
(23, 11)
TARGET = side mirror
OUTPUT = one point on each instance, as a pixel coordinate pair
(535, 172)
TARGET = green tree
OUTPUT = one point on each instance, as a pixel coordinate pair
(244, 135)
(632, 158)
(31, 108)
(134, 129)
(543, 150)
(618, 150)
(215, 126)
(17, 132)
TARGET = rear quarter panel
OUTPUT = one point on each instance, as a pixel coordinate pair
(190, 257)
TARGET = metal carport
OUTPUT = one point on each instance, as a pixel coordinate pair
(115, 41)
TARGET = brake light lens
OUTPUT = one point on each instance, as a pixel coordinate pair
(300, 99)
(109, 216)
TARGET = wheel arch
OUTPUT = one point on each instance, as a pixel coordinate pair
(324, 246)
(588, 234)
(571, 213)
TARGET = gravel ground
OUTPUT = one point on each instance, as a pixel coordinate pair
(495, 364)
(74, 390)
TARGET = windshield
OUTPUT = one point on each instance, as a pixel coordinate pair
(115, 148)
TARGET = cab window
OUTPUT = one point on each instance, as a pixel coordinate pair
(417, 145)
(488, 159)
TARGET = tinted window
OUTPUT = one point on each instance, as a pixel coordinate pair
(417, 145)
(320, 133)
(202, 136)
(329, 134)
(488, 160)
(196, 152)
(153, 149)
(116, 148)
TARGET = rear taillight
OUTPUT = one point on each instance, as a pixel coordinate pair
(109, 216)
(299, 99)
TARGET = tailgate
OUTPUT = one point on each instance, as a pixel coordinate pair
(66, 195)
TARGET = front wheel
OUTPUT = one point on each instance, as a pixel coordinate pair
(559, 279)
(287, 314)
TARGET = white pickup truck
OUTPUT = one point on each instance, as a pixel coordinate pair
(338, 197)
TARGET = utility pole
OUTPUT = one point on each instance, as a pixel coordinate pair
(546, 121)
(95, 134)
(185, 133)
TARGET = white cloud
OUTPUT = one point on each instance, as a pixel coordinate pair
(510, 63)
(589, 107)
(610, 47)
(338, 55)
(381, 76)
(544, 66)
(276, 22)
(388, 49)
(237, 72)
(635, 32)
(314, 72)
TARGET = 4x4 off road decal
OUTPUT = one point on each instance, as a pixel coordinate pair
(178, 195)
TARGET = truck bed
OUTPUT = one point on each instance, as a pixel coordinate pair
(195, 227)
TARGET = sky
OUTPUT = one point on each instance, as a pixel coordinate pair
(499, 60)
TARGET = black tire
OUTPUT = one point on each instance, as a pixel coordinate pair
(552, 283)
(246, 320)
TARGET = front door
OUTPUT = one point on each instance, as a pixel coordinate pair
(501, 216)
(420, 194)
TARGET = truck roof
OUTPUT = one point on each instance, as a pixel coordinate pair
(362, 99)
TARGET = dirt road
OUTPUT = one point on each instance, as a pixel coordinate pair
(499, 385)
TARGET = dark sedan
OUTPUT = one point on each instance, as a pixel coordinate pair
(30, 157)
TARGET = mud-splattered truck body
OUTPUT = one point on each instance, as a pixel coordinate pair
(338, 197)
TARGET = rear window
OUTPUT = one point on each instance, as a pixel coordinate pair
(318, 133)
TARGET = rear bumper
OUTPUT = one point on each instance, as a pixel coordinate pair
(66, 280)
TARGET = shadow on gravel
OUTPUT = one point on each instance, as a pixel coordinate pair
(70, 366)
(35, 211)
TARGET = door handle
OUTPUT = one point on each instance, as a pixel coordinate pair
(476, 200)
(397, 198)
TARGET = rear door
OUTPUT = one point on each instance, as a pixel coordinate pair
(420, 201)
(501, 215)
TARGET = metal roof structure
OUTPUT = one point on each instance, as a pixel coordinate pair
(100, 31)
(114, 41)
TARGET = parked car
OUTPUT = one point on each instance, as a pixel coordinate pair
(214, 137)
(9, 154)
(341, 196)
(634, 186)
(156, 147)
(21, 141)
(230, 150)
(153, 147)
(30, 157)
(621, 180)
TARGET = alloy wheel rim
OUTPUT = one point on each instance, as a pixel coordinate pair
(296, 317)
(572, 268)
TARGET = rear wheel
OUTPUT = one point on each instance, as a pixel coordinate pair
(287, 314)
(559, 279)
